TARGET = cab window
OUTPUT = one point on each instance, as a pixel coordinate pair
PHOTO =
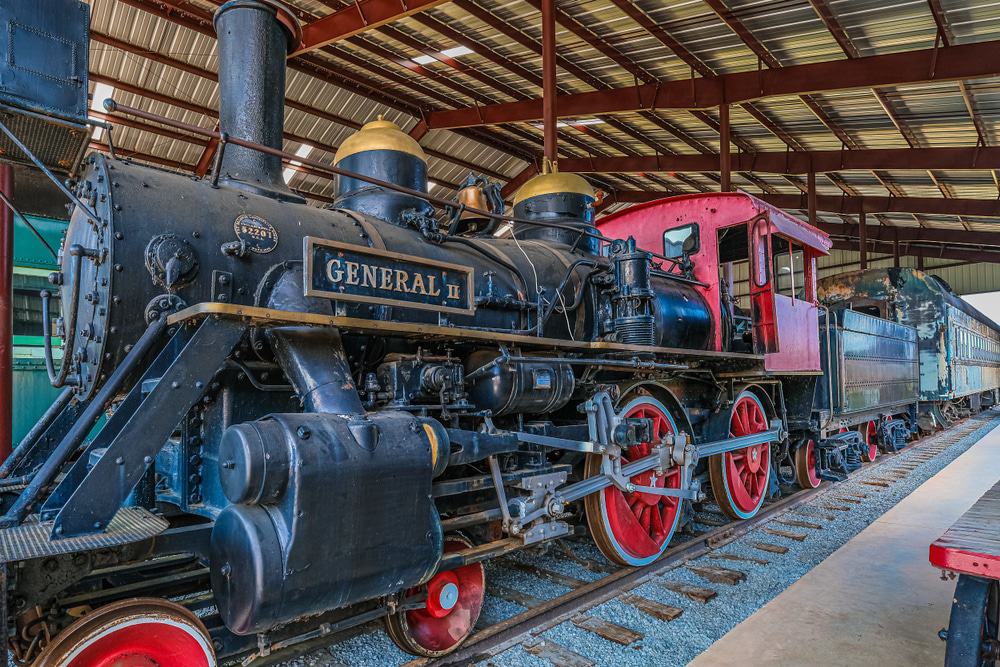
(789, 268)
(681, 241)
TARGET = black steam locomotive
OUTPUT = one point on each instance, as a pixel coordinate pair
(297, 420)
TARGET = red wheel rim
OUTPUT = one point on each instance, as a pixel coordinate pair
(454, 599)
(811, 462)
(133, 633)
(143, 643)
(747, 470)
(871, 439)
(640, 523)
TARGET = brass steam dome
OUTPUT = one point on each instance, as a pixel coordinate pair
(552, 182)
(378, 135)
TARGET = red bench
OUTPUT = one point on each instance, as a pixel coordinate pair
(971, 547)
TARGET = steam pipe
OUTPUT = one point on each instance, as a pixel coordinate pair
(59, 379)
(312, 358)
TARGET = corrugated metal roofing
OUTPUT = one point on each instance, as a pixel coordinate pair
(171, 68)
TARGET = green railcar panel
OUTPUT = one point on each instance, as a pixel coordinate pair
(33, 261)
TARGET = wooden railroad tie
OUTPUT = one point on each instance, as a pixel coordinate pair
(795, 523)
(813, 513)
(853, 501)
(787, 534)
(585, 563)
(542, 573)
(606, 629)
(559, 656)
(856, 494)
(772, 548)
(696, 593)
(721, 555)
(525, 600)
(710, 520)
(657, 610)
(718, 575)
(876, 482)
(839, 508)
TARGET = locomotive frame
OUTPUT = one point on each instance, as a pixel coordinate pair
(302, 463)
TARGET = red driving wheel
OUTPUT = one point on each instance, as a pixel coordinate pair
(142, 632)
(633, 529)
(740, 477)
(869, 433)
(454, 600)
(805, 465)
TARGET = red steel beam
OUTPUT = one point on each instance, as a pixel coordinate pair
(989, 208)
(211, 113)
(356, 18)
(922, 253)
(798, 162)
(398, 97)
(891, 235)
(950, 63)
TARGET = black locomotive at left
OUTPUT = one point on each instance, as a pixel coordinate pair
(314, 418)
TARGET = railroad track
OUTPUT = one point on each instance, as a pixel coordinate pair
(588, 580)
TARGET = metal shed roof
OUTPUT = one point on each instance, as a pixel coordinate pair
(159, 55)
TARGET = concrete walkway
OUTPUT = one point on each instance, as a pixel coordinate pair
(875, 601)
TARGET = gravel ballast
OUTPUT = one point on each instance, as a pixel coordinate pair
(676, 642)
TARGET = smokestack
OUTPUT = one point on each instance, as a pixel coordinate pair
(255, 37)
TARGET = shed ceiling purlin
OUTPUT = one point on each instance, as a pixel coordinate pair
(899, 99)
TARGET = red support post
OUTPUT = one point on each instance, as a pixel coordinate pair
(207, 156)
(811, 191)
(549, 91)
(862, 241)
(895, 248)
(6, 312)
(725, 159)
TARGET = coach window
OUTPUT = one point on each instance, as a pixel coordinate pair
(789, 268)
(760, 268)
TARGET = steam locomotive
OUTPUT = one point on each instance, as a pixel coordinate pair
(314, 418)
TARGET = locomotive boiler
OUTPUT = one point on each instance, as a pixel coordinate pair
(337, 414)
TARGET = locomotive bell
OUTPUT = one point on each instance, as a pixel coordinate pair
(566, 199)
(381, 150)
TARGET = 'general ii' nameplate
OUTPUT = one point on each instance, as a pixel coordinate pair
(347, 272)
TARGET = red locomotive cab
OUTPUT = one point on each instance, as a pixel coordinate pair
(756, 265)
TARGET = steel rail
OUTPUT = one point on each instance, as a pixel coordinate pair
(503, 635)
